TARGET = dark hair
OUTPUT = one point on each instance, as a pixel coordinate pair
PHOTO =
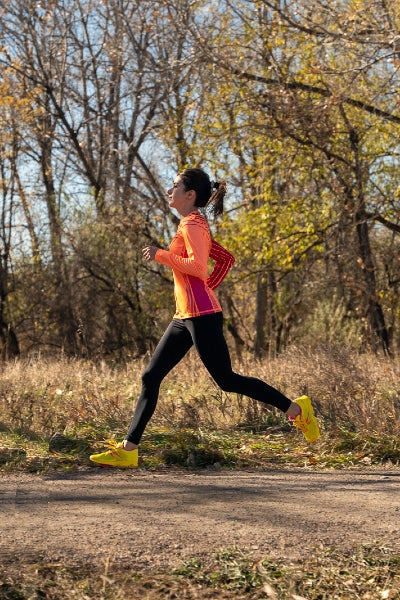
(207, 193)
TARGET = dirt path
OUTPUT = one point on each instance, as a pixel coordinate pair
(159, 519)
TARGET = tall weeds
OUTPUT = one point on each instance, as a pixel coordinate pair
(350, 391)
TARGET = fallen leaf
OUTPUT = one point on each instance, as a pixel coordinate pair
(271, 593)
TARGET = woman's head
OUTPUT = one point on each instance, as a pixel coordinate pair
(207, 193)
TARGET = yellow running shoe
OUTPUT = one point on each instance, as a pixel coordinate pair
(306, 421)
(116, 457)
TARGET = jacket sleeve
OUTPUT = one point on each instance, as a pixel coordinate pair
(223, 262)
(197, 243)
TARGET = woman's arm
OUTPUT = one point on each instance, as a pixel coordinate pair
(197, 242)
(223, 262)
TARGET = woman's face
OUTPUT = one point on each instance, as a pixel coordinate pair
(178, 197)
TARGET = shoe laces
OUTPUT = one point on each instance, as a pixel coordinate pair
(301, 425)
(112, 447)
(112, 444)
(301, 422)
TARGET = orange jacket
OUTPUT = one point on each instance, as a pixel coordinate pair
(188, 258)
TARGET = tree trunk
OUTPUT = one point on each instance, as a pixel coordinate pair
(232, 326)
(8, 338)
(380, 335)
(62, 308)
(261, 315)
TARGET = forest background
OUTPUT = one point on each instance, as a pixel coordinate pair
(295, 104)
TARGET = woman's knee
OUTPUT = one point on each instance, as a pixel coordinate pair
(226, 382)
(149, 377)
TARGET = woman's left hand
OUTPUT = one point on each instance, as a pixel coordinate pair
(149, 252)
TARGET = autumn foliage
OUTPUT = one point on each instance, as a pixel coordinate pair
(296, 104)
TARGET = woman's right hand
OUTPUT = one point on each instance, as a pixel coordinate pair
(149, 252)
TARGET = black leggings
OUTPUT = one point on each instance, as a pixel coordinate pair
(206, 334)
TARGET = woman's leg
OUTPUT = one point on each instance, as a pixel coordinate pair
(208, 337)
(172, 347)
(210, 343)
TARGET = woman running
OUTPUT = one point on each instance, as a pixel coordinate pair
(198, 319)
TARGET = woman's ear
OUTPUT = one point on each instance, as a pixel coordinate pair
(191, 194)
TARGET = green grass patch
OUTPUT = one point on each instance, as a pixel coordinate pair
(188, 448)
(368, 573)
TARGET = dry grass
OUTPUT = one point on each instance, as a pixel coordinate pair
(356, 397)
(46, 396)
(326, 574)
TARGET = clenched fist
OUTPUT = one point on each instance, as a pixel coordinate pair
(149, 252)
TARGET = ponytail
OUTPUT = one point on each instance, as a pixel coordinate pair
(217, 197)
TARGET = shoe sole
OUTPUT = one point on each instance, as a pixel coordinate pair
(105, 466)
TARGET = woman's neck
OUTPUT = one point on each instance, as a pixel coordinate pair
(186, 213)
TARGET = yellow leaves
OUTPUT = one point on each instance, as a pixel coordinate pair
(5, 100)
(275, 235)
(15, 106)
